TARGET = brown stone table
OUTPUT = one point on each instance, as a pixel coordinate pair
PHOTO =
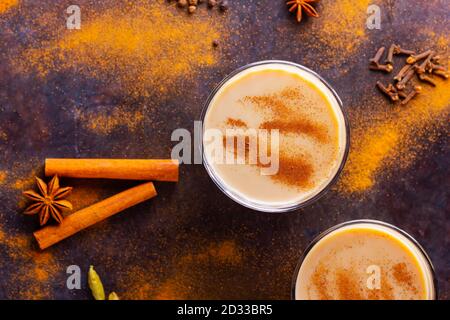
(192, 241)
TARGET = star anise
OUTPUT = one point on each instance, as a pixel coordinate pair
(50, 200)
(301, 5)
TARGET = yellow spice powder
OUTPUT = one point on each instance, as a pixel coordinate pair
(5, 5)
(106, 121)
(389, 144)
(3, 176)
(33, 269)
(3, 135)
(188, 277)
(25, 182)
(142, 50)
(341, 27)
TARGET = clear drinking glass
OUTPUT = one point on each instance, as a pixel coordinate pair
(401, 236)
(285, 207)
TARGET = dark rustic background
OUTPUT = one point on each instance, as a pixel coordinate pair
(192, 241)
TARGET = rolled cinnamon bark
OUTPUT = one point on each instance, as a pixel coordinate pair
(125, 169)
(89, 216)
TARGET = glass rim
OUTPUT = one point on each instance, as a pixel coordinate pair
(321, 235)
(253, 204)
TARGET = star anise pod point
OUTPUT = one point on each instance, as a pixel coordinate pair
(303, 5)
(49, 202)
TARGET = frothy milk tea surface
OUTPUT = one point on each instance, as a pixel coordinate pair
(311, 133)
(364, 261)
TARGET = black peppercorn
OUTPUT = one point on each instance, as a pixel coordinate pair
(223, 6)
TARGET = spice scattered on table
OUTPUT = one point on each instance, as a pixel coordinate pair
(122, 169)
(303, 5)
(424, 65)
(113, 296)
(109, 55)
(5, 5)
(50, 201)
(192, 5)
(95, 284)
(93, 214)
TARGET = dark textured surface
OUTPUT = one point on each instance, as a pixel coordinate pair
(151, 241)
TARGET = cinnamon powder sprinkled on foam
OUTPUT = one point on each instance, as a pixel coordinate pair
(236, 123)
(143, 49)
(319, 281)
(348, 287)
(298, 126)
(274, 103)
(403, 276)
(294, 170)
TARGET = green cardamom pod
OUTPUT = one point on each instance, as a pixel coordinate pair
(113, 296)
(95, 284)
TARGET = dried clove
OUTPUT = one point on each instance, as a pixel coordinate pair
(402, 83)
(416, 90)
(223, 5)
(414, 58)
(414, 65)
(402, 72)
(390, 56)
(382, 67)
(376, 60)
(391, 94)
(423, 77)
(441, 73)
(192, 9)
(422, 67)
(212, 3)
(182, 3)
(431, 67)
(399, 50)
(436, 59)
(402, 94)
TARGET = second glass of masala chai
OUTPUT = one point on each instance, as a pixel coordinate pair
(364, 260)
(275, 136)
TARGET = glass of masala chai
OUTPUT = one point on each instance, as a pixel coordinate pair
(364, 260)
(275, 136)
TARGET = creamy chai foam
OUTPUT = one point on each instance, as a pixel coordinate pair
(343, 264)
(312, 133)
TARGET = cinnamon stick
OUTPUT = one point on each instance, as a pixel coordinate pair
(126, 169)
(89, 216)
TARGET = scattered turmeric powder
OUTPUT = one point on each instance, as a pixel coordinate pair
(3, 135)
(5, 5)
(3, 176)
(33, 269)
(25, 182)
(341, 28)
(188, 280)
(105, 120)
(143, 50)
(392, 142)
